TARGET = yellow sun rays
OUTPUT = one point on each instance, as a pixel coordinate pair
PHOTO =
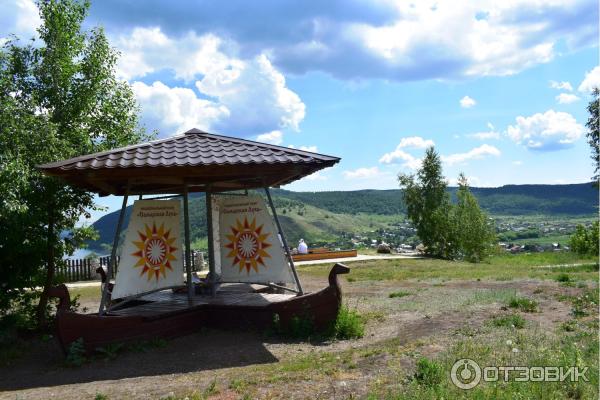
(247, 244)
(155, 251)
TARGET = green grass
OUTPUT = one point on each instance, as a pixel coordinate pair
(523, 304)
(399, 293)
(509, 321)
(503, 267)
(349, 324)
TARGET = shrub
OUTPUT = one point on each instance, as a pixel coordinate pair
(509, 321)
(429, 373)
(399, 293)
(564, 278)
(348, 325)
(523, 304)
(76, 354)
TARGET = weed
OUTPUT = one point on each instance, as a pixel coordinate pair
(349, 324)
(76, 354)
(429, 373)
(569, 326)
(399, 293)
(564, 278)
(509, 321)
(524, 304)
(100, 396)
(211, 389)
(110, 351)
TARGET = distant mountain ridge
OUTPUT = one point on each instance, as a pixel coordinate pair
(325, 215)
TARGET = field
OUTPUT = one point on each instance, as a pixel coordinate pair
(421, 316)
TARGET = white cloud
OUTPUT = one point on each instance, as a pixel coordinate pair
(415, 142)
(253, 92)
(312, 149)
(273, 137)
(20, 17)
(362, 173)
(561, 85)
(474, 154)
(485, 135)
(517, 162)
(175, 110)
(591, 80)
(317, 176)
(409, 161)
(467, 102)
(549, 131)
(566, 98)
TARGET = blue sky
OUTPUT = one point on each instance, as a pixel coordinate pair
(500, 88)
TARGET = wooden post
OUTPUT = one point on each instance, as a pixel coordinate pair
(284, 241)
(113, 255)
(211, 247)
(186, 226)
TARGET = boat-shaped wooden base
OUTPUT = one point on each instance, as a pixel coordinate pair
(324, 254)
(167, 314)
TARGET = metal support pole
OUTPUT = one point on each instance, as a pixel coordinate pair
(285, 245)
(211, 247)
(113, 255)
(188, 258)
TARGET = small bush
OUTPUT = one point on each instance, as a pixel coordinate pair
(523, 303)
(301, 328)
(429, 373)
(569, 326)
(76, 354)
(509, 321)
(399, 293)
(100, 396)
(564, 278)
(348, 325)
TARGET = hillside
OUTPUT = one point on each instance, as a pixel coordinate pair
(333, 216)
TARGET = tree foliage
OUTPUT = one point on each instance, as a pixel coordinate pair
(593, 134)
(449, 231)
(59, 98)
(585, 241)
(474, 231)
(428, 205)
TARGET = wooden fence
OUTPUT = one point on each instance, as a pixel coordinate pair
(84, 269)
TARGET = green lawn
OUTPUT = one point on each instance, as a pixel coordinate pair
(501, 267)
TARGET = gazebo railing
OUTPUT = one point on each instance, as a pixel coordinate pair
(84, 269)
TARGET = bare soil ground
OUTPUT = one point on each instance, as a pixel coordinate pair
(232, 365)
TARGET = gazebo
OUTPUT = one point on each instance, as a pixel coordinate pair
(195, 161)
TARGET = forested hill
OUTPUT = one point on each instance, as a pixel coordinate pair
(576, 199)
(327, 214)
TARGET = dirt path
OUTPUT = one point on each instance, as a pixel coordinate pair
(427, 319)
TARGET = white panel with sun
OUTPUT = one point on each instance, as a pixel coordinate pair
(152, 256)
(250, 249)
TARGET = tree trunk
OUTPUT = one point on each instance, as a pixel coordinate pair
(41, 310)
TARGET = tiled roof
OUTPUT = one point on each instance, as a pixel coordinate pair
(193, 148)
(196, 156)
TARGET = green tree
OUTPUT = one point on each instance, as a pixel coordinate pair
(585, 241)
(593, 134)
(428, 205)
(59, 98)
(473, 229)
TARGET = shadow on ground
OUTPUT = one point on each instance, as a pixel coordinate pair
(44, 366)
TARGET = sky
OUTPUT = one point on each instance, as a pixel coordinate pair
(500, 88)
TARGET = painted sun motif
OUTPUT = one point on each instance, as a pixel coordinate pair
(155, 251)
(247, 245)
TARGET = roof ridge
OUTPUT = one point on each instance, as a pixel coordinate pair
(292, 150)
